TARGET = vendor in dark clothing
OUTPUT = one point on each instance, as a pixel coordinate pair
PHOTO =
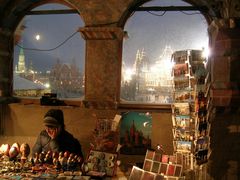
(55, 138)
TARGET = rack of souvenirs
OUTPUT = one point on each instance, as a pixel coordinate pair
(101, 161)
(106, 133)
(15, 163)
(102, 158)
(202, 108)
(159, 166)
(204, 113)
(189, 108)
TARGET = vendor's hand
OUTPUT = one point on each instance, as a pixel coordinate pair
(52, 131)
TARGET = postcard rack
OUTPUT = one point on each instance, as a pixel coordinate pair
(190, 105)
(160, 166)
(203, 125)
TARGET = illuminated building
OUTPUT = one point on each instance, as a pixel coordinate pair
(21, 68)
(66, 80)
(152, 81)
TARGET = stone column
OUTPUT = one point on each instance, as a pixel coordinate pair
(103, 65)
(225, 87)
(225, 66)
(6, 61)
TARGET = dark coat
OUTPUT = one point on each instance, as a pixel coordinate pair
(64, 142)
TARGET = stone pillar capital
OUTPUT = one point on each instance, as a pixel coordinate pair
(101, 33)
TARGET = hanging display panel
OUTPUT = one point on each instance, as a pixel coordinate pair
(135, 132)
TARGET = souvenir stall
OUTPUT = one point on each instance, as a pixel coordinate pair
(191, 111)
(16, 161)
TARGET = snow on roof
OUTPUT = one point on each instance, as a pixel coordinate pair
(20, 83)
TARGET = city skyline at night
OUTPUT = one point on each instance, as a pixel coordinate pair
(148, 31)
(48, 39)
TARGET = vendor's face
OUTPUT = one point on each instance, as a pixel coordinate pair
(53, 131)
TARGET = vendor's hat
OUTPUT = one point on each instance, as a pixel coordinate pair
(54, 117)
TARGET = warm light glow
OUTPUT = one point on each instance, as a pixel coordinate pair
(128, 74)
(154, 69)
(205, 52)
(151, 89)
(37, 37)
(47, 85)
(169, 64)
(159, 147)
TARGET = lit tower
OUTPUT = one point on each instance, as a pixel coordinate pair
(21, 62)
(137, 68)
(166, 67)
(137, 63)
(167, 53)
(141, 66)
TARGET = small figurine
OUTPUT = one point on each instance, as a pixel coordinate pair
(70, 162)
(66, 154)
(55, 155)
(63, 160)
(60, 157)
(42, 157)
(48, 158)
(36, 158)
(24, 151)
(58, 165)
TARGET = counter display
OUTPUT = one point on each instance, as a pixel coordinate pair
(15, 163)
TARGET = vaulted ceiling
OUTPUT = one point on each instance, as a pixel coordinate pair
(12, 11)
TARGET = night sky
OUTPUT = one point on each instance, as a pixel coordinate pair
(153, 32)
(146, 31)
(53, 30)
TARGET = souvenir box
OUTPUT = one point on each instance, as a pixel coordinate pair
(99, 163)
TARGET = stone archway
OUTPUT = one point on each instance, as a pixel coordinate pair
(10, 34)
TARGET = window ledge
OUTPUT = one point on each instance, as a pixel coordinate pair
(149, 107)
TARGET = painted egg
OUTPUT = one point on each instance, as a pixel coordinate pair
(16, 145)
(13, 152)
(4, 149)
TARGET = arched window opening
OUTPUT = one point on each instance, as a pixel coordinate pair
(49, 55)
(152, 38)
